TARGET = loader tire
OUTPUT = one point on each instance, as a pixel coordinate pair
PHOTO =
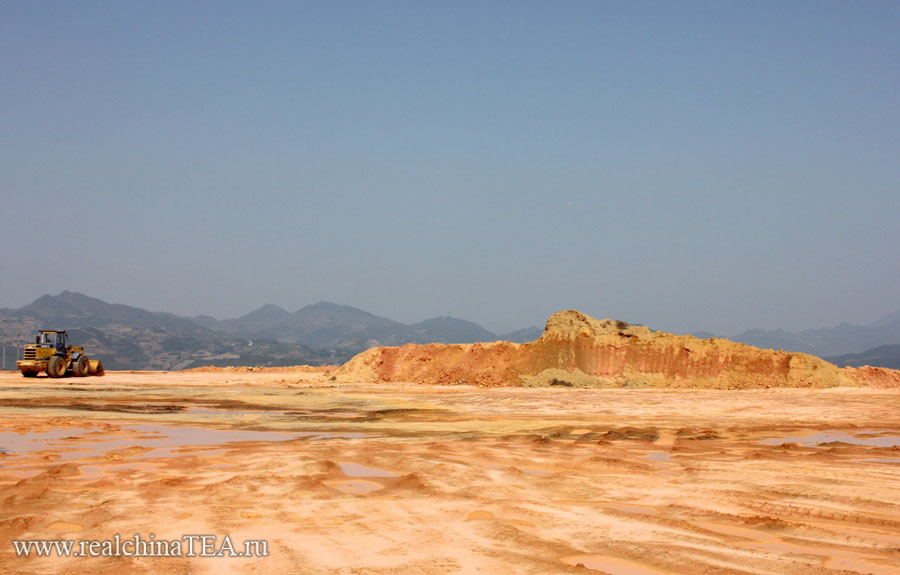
(57, 366)
(81, 367)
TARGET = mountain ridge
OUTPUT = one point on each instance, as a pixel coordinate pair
(127, 337)
(881, 356)
(328, 332)
(842, 339)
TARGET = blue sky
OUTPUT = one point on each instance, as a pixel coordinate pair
(688, 165)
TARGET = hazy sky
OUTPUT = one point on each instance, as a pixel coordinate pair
(688, 165)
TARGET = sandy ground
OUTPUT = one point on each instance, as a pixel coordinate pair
(365, 479)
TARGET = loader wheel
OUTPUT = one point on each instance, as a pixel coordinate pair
(57, 366)
(81, 367)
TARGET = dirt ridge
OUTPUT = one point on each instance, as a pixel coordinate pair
(609, 353)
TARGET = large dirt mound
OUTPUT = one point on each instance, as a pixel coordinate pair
(577, 350)
(878, 377)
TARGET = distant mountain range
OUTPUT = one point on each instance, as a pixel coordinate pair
(844, 344)
(827, 341)
(883, 356)
(126, 337)
(341, 327)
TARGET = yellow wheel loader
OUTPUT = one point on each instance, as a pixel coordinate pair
(49, 353)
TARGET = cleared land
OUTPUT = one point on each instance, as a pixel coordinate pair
(405, 478)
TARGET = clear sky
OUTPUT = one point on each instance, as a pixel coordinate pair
(688, 165)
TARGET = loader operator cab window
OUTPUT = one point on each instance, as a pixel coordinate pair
(56, 340)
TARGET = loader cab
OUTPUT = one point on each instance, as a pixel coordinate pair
(54, 339)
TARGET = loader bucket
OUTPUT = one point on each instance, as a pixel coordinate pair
(96, 367)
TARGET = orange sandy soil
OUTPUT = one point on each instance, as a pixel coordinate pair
(405, 478)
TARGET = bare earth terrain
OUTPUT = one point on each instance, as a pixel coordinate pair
(404, 478)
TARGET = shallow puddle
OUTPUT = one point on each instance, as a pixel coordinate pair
(659, 456)
(176, 435)
(611, 565)
(870, 439)
(320, 436)
(537, 471)
(232, 413)
(357, 470)
(355, 486)
(130, 443)
(13, 442)
(86, 443)
(474, 461)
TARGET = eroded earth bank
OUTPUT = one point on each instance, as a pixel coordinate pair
(577, 350)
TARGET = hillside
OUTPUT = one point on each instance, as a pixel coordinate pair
(523, 335)
(342, 331)
(126, 337)
(842, 339)
(882, 356)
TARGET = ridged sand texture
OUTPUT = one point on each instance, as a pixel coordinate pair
(610, 353)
